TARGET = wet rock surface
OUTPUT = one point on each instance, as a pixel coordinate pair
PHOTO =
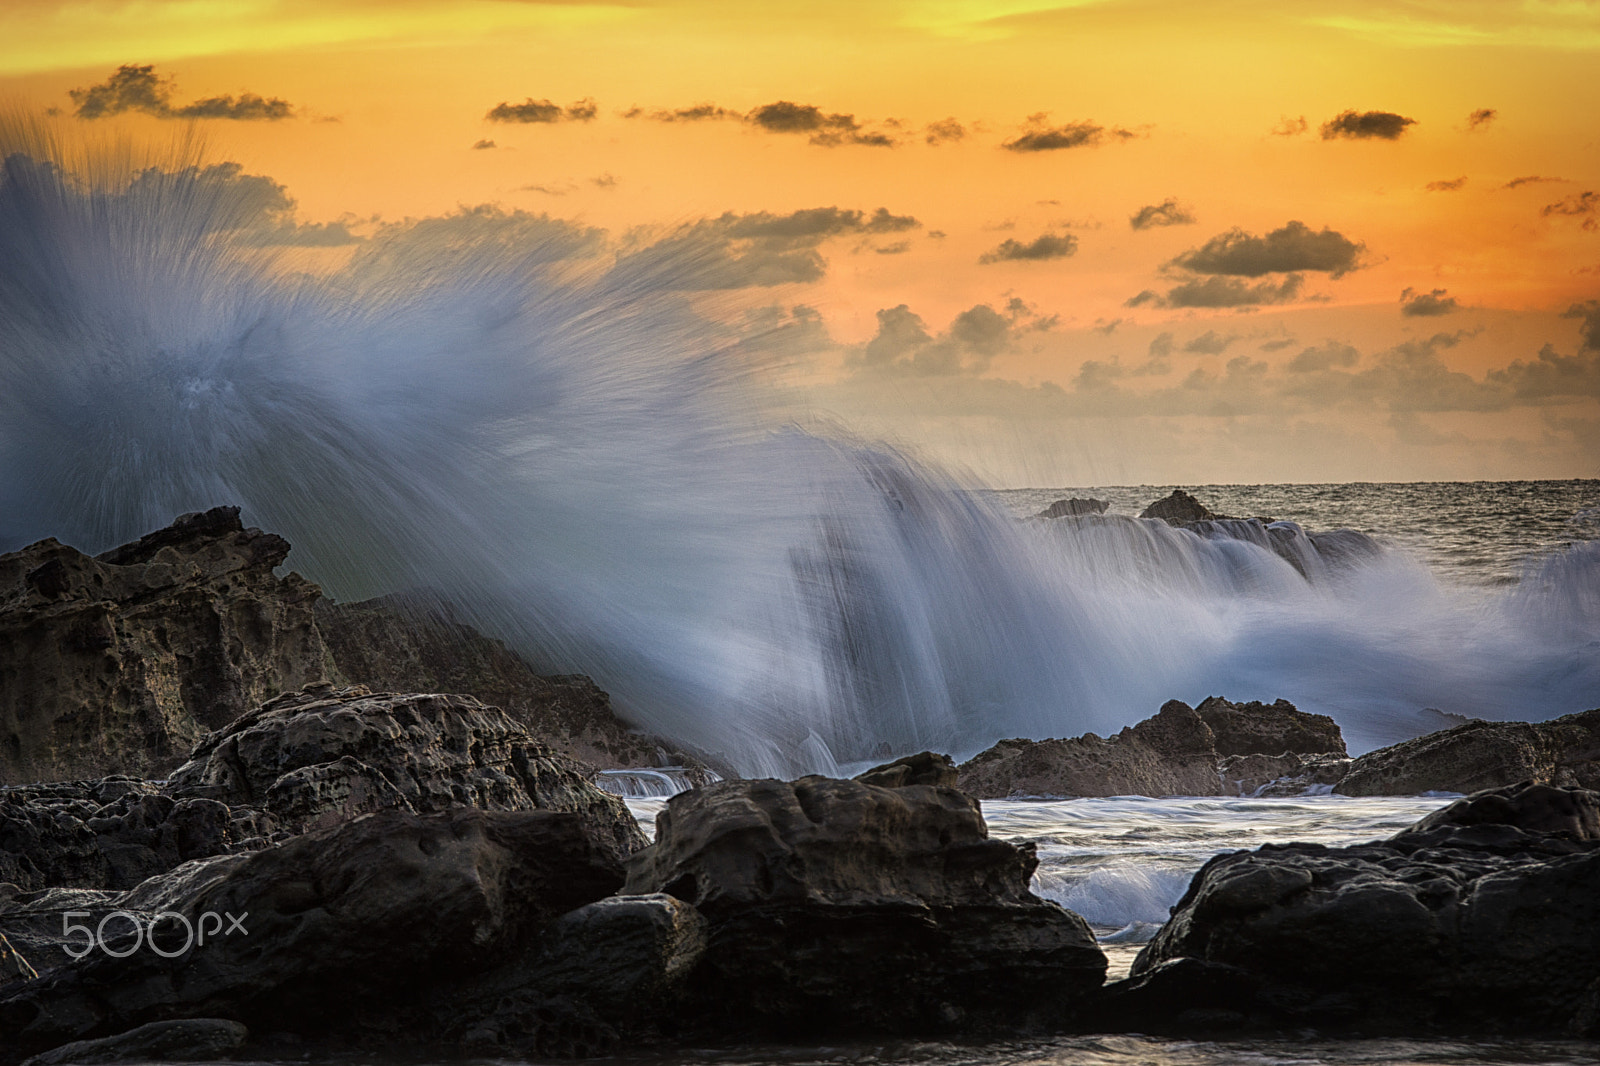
(838, 907)
(1485, 916)
(1477, 755)
(1073, 507)
(1219, 748)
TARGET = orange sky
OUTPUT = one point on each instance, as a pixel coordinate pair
(1323, 378)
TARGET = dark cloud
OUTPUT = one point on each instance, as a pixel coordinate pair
(792, 334)
(1167, 213)
(441, 243)
(480, 145)
(1446, 186)
(945, 131)
(752, 251)
(1161, 345)
(1290, 127)
(1323, 357)
(697, 113)
(1046, 246)
(253, 209)
(1210, 343)
(1427, 304)
(1584, 205)
(1531, 179)
(1108, 328)
(897, 248)
(1481, 118)
(1294, 247)
(140, 88)
(604, 181)
(1366, 126)
(543, 112)
(1277, 345)
(1220, 291)
(1551, 377)
(828, 129)
(1039, 136)
(1589, 312)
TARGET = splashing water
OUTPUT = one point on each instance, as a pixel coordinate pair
(473, 408)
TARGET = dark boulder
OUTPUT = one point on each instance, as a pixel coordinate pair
(923, 768)
(1477, 919)
(1269, 729)
(837, 907)
(1478, 755)
(354, 922)
(188, 1040)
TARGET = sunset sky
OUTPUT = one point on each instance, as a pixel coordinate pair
(1091, 242)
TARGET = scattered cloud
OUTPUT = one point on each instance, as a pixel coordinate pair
(1231, 292)
(1589, 330)
(543, 112)
(1108, 328)
(697, 113)
(1039, 136)
(897, 248)
(751, 251)
(139, 88)
(1446, 186)
(259, 211)
(1481, 118)
(1366, 126)
(1210, 343)
(1531, 179)
(903, 345)
(1584, 205)
(828, 129)
(945, 131)
(480, 145)
(1161, 345)
(1323, 357)
(1290, 127)
(1427, 304)
(1046, 246)
(1291, 248)
(1277, 344)
(1167, 213)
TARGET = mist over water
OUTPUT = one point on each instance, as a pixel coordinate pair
(484, 407)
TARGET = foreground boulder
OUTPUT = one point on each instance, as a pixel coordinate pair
(358, 921)
(838, 907)
(1218, 748)
(1483, 917)
(1478, 755)
(120, 662)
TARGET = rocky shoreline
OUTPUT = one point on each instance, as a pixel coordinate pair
(298, 829)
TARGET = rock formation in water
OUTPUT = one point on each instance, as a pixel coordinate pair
(120, 663)
(1177, 508)
(1482, 917)
(1216, 749)
(838, 907)
(1073, 507)
(1478, 755)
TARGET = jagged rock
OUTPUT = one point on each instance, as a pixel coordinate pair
(836, 907)
(348, 926)
(13, 967)
(119, 663)
(189, 1040)
(111, 833)
(1177, 508)
(324, 755)
(1181, 751)
(1478, 755)
(1269, 729)
(1288, 774)
(1073, 508)
(1474, 919)
(923, 768)
(408, 644)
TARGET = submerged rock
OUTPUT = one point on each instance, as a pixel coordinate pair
(1181, 751)
(838, 907)
(1485, 916)
(1477, 755)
